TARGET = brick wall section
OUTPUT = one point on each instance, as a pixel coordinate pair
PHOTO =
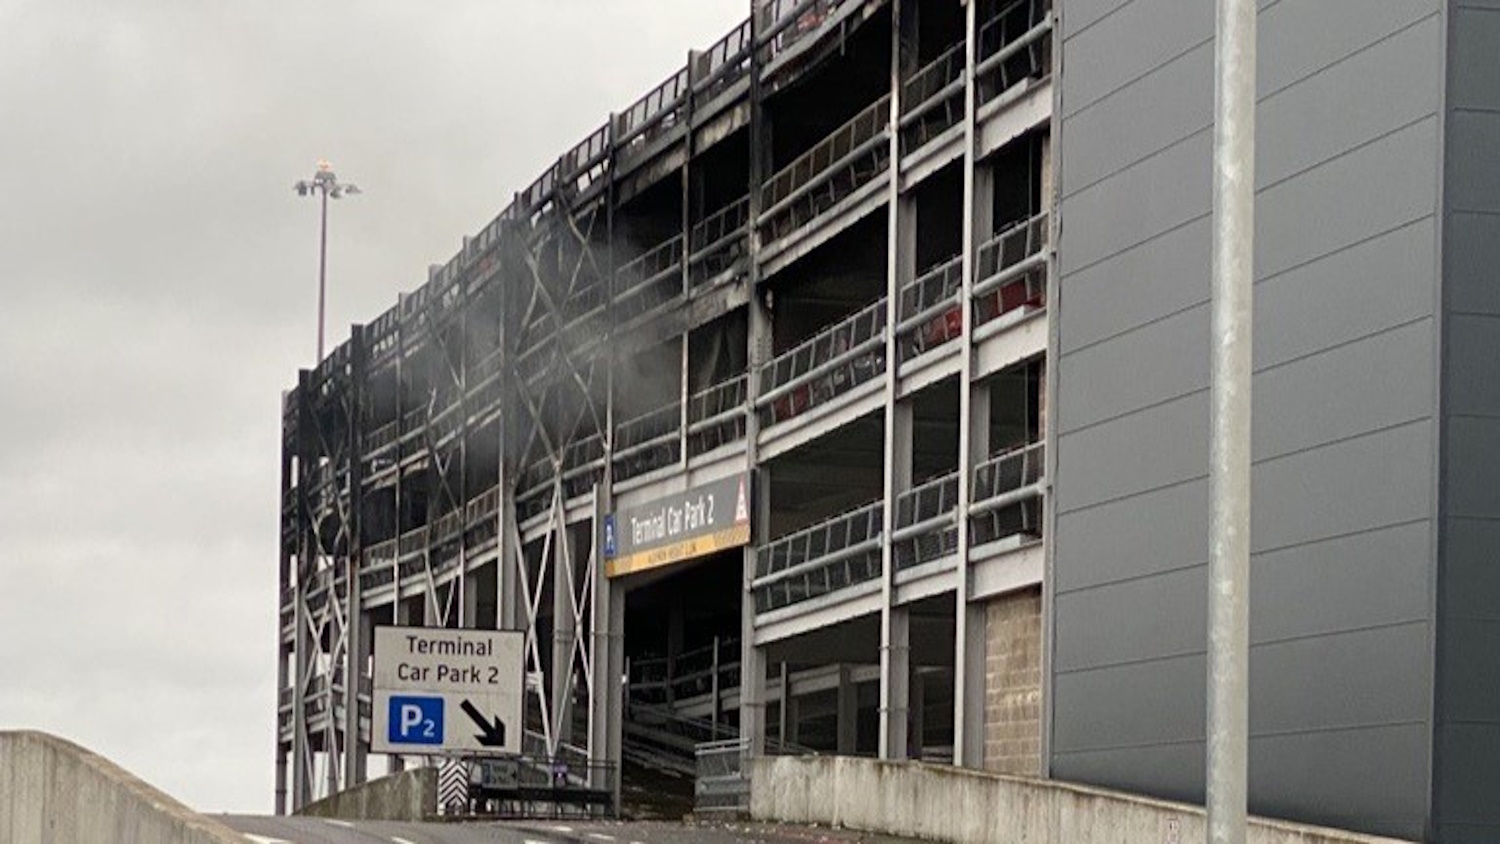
(1013, 683)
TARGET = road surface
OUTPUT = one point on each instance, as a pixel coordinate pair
(289, 830)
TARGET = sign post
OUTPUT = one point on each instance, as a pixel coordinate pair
(439, 690)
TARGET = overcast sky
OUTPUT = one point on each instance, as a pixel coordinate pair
(158, 292)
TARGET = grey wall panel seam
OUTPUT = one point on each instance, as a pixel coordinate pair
(1154, 236)
(1134, 163)
(1139, 78)
(1365, 144)
(1275, 549)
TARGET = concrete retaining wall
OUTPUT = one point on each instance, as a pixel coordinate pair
(54, 792)
(407, 796)
(959, 805)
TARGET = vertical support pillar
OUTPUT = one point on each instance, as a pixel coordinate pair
(790, 711)
(564, 629)
(356, 647)
(758, 338)
(968, 634)
(302, 755)
(895, 634)
(847, 713)
(918, 719)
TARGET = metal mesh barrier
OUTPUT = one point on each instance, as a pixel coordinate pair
(648, 442)
(925, 527)
(1010, 270)
(930, 314)
(723, 777)
(815, 561)
(1007, 495)
(716, 416)
(932, 100)
(844, 161)
(830, 363)
(1015, 43)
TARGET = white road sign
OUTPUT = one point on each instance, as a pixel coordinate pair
(441, 690)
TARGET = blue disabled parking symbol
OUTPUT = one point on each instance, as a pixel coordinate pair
(415, 719)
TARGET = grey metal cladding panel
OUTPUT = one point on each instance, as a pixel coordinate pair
(1145, 618)
(1473, 358)
(1140, 202)
(1146, 366)
(1476, 42)
(1376, 776)
(1141, 36)
(1373, 383)
(1078, 15)
(1358, 678)
(1376, 188)
(1469, 779)
(1350, 582)
(1359, 484)
(1153, 532)
(1301, 36)
(1139, 703)
(1473, 481)
(1364, 96)
(1111, 133)
(1474, 161)
(1155, 447)
(1352, 293)
(1472, 263)
(1160, 276)
(1471, 568)
(1170, 771)
(1469, 672)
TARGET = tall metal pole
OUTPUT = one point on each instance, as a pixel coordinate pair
(1229, 472)
(322, 266)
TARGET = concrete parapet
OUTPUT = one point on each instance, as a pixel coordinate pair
(55, 792)
(972, 807)
(406, 796)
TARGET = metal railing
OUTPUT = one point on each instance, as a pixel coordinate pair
(649, 281)
(1010, 270)
(925, 527)
(722, 781)
(724, 62)
(654, 113)
(932, 99)
(844, 161)
(1014, 43)
(719, 241)
(647, 442)
(787, 22)
(828, 364)
(930, 314)
(815, 561)
(1006, 498)
(716, 416)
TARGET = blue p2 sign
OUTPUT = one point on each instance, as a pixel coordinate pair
(415, 720)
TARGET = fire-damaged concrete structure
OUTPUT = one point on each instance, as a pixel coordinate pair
(848, 393)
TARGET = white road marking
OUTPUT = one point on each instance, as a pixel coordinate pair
(562, 829)
(401, 840)
(261, 839)
(534, 841)
(344, 824)
(599, 836)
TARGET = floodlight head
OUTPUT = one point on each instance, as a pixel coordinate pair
(301, 188)
(352, 190)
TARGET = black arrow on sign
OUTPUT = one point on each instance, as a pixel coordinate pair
(494, 733)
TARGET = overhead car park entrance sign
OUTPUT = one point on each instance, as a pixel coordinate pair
(441, 690)
(693, 523)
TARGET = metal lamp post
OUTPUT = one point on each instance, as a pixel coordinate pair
(325, 185)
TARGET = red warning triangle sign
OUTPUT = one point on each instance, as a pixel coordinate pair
(741, 507)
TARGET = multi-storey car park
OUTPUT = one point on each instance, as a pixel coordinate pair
(958, 449)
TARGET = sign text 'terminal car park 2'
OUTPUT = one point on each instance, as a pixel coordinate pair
(688, 524)
(443, 690)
